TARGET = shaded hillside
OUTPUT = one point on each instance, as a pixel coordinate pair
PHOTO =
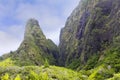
(35, 48)
(92, 28)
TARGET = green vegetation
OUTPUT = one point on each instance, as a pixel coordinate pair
(46, 64)
(17, 77)
(7, 62)
(5, 77)
(115, 77)
(38, 73)
(103, 71)
(92, 62)
(89, 47)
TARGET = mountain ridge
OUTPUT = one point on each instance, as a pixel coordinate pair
(35, 48)
(89, 45)
(89, 30)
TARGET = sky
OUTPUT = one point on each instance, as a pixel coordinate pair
(51, 14)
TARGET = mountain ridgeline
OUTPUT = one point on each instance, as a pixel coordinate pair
(35, 48)
(89, 44)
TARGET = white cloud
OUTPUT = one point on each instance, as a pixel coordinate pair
(16, 30)
(26, 11)
(69, 8)
(49, 22)
(53, 35)
(8, 42)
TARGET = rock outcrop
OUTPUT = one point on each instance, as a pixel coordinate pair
(91, 28)
(35, 48)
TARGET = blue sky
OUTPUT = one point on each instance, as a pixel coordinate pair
(51, 14)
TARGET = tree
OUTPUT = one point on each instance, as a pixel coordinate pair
(46, 64)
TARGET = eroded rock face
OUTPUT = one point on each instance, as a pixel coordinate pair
(35, 48)
(91, 27)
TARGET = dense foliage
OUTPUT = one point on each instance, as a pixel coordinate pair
(37, 73)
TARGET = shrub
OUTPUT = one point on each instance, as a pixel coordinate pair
(5, 77)
(17, 77)
(46, 64)
(115, 77)
(34, 76)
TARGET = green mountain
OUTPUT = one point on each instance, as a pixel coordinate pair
(35, 48)
(89, 47)
(91, 35)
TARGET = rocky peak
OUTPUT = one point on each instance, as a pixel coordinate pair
(33, 21)
(35, 48)
(33, 30)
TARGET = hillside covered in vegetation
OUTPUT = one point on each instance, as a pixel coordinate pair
(89, 47)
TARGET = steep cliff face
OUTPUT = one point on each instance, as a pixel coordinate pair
(91, 28)
(35, 48)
